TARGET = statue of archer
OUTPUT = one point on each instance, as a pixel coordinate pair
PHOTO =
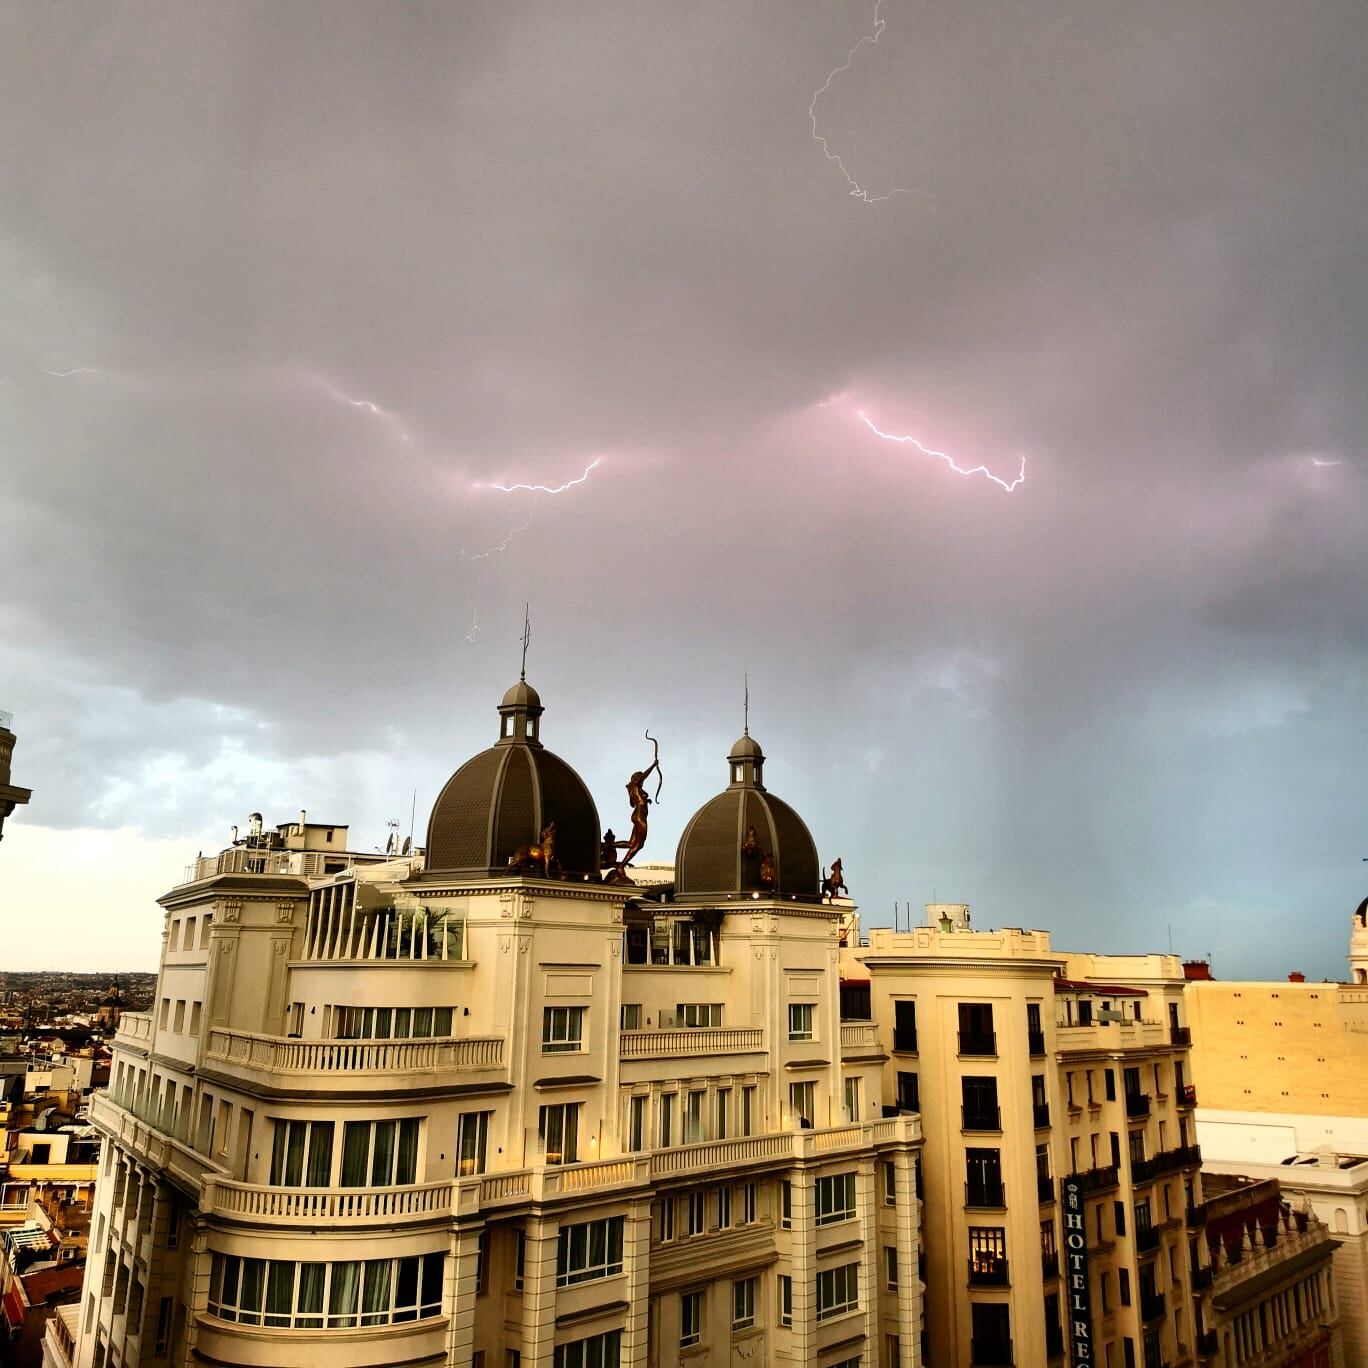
(641, 804)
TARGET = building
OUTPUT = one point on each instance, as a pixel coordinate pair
(1282, 1071)
(496, 1104)
(11, 796)
(1272, 1299)
(1059, 1164)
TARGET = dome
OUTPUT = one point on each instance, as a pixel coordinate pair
(746, 840)
(502, 799)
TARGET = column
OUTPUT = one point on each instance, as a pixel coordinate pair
(803, 1258)
(461, 1279)
(636, 1257)
(539, 1291)
(909, 1247)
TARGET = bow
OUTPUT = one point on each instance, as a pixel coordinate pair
(655, 764)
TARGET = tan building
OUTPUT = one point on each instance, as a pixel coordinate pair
(1282, 1072)
(481, 1106)
(1055, 1104)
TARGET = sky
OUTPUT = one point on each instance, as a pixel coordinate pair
(288, 291)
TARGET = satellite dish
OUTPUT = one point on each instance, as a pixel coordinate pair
(408, 845)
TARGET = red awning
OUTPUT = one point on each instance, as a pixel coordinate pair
(1063, 985)
(14, 1308)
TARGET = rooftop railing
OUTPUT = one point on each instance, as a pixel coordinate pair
(688, 1041)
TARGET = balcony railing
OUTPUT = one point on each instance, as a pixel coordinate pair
(1097, 1180)
(981, 1118)
(1035, 1043)
(359, 1060)
(1137, 1104)
(1196, 1217)
(858, 1035)
(992, 1353)
(384, 1206)
(1151, 1306)
(988, 1273)
(978, 1042)
(1040, 1114)
(1045, 1188)
(984, 1195)
(1187, 1095)
(1180, 1035)
(135, 1028)
(1201, 1278)
(1146, 1239)
(689, 1041)
(1142, 1170)
(1183, 1156)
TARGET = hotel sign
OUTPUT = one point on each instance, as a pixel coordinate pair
(1076, 1262)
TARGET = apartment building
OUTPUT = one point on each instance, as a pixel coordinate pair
(478, 1105)
(1059, 1166)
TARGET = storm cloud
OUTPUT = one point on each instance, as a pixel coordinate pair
(313, 278)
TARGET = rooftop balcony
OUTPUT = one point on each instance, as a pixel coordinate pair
(691, 1042)
(1111, 1036)
(282, 1065)
(349, 1207)
(135, 1028)
(142, 1134)
(242, 860)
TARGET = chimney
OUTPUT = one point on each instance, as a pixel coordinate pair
(1296, 976)
(1196, 971)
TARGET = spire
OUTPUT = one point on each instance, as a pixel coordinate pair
(526, 637)
(745, 731)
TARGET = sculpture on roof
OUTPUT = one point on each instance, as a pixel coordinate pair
(641, 807)
(541, 855)
(833, 883)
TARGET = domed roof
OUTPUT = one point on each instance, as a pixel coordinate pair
(502, 799)
(746, 840)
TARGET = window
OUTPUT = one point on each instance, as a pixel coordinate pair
(314, 1296)
(472, 1140)
(891, 1268)
(976, 1035)
(852, 1100)
(723, 1208)
(909, 1095)
(631, 1016)
(890, 1180)
(988, 1255)
(838, 1290)
(520, 1262)
(743, 1303)
(164, 1015)
(697, 1015)
(748, 1110)
(558, 1126)
(835, 1198)
(693, 1118)
(991, 1328)
(980, 1104)
(598, 1351)
(803, 1103)
(1035, 1036)
(195, 1009)
(697, 1222)
(983, 1178)
(690, 1318)
(562, 1029)
(747, 1203)
(391, 1023)
(301, 1154)
(482, 1264)
(589, 1250)
(691, 943)
(800, 1021)
(855, 1002)
(785, 1204)
(905, 1027)
(723, 1112)
(636, 1123)
(379, 1153)
(785, 1300)
(1123, 1284)
(163, 1325)
(667, 1101)
(1109, 1078)
(665, 1211)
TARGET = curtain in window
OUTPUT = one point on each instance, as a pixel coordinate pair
(406, 1167)
(294, 1155)
(570, 1135)
(375, 1301)
(382, 1156)
(441, 1021)
(355, 1150)
(343, 1294)
(310, 1296)
(282, 1131)
(422, 1022)
(279, 1293)
(320, 1154)
(249, 1301)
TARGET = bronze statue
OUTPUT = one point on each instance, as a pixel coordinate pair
(641, 805)
(750, 844)
(833, 883)
(542, 855)
(768, 874)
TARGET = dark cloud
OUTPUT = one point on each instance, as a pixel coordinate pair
(1123, 697)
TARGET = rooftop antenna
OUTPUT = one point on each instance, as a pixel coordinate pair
(526, 637)
(746, 729)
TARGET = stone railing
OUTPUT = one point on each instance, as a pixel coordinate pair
(326, 1206)
(1112, 1035)
(859, 1035)
(356, 1062)
(687, 1041)
(1256, 1259)
(135, 1028)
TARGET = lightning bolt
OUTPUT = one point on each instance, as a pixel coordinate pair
(385, 416)
(474, 626)
(856, 190)
(503, 545)
(942, 456)
(1316, 461)
(549, 489)
(75, 370)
